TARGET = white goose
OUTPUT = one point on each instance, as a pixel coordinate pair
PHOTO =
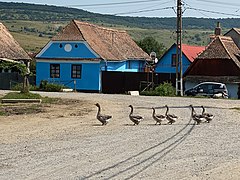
(157, 118)
(198, 118)
(104, 119)
(134, 118)
(170, 117)
(209, 117)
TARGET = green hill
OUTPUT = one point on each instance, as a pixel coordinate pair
(33, 25)
(33, 12)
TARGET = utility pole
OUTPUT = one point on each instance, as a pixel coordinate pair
(179, 78)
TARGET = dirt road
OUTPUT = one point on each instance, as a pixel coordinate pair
(67, 142)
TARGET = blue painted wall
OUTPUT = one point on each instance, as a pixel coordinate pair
(90, 77)
(164, 64)
(78, 49)
(126, 66)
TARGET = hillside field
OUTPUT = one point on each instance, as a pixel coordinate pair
(33, 35)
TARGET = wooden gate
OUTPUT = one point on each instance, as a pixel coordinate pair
(121, 82)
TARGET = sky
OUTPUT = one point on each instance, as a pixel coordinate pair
(151, 8)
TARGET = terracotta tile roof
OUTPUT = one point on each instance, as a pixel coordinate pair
(191, 52)
(222, 47)
(9, 47)
(69, 33)
(109, 44)
(221, 58)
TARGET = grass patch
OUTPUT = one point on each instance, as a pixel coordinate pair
(2, 113)
(26, 108)
(48, 100)
(17, 95)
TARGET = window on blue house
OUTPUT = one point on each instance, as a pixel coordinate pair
(76, 71)
(174, 60)
(55, 70)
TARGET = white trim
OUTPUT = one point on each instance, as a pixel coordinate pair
(44, 49)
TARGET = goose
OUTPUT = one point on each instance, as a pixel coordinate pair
(170, 117)
(157, 118)
(104, 119)
(134, 118)
(207, 116)
(198, 118)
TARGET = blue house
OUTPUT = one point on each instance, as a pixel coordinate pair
(167, 63)
(82, 51)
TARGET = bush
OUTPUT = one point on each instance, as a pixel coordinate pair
(19, 87)
(149, 93)
(53, 87)
(50, 87)
(165, 89)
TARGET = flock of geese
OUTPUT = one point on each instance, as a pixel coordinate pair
(159, 118)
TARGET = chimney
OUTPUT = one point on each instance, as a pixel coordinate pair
(218, 29)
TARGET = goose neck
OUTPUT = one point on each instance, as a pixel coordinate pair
(99, 110)
(166, 113)
(193, 111)
(131, 112)
(203, 110)
(153, 114)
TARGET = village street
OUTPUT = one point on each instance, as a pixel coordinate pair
(58, 145)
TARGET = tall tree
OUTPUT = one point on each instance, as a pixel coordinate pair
(149, 44)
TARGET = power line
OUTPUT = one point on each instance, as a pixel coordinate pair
(184, 3)
(217, 2)
(213, 12)
(117, 3)
(147, 10)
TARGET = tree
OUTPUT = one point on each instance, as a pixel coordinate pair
(149, 44)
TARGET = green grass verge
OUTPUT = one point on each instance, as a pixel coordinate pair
(17, 95)
(10, 109)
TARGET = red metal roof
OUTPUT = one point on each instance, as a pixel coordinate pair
(192, 51)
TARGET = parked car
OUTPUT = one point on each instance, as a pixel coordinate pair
(209, 89)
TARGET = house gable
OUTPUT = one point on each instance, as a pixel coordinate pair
(219, 59)
(234, 33)
(189, 54)
(67, 50)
